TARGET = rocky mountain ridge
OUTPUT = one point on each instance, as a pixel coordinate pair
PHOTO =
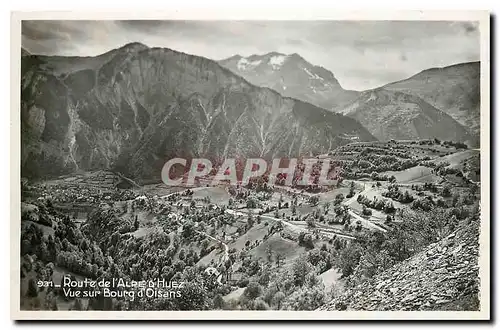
(395, 115)
(292, 76)
(454, 89)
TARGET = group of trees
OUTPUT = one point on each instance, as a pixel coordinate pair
(427, 186)
(375, 251)
(447, 143)
(376, 203)
(306, 240)
(297, 287)
(103, 248)
(395, 193)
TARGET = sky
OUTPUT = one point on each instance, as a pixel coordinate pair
(361, 54)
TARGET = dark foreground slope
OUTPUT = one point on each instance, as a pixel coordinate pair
(133, 108)
(444, 276)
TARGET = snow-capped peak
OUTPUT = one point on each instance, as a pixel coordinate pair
(277, 61)
(312, 75)
(245, 64)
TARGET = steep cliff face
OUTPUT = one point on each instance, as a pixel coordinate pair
(291, 75)
(133, 108)
(396, 115)
(453, 89)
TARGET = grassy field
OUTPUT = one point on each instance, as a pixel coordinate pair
(278, 245)
(417, 174)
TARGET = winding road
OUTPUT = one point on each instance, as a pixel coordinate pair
(326, 231)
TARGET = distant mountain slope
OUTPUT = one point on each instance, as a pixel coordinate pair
(395, 115)
(442, 277)
(292, 76)
(133, 108)
(24, 52)
(453, 89)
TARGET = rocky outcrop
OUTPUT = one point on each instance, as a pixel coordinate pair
(442, 277)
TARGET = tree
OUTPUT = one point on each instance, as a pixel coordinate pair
(32, 289)
(351, 190)
(219, 302)
(338, 199)
(188, 229)
(313, 200)
(327, 207)
(301, 267)
(349, 258)
(310, 222)
(136, 223)
(366, 211)
(253, 290)
(278, 299)
(193, 297)
(260, 305)
(358, 225)
(269, 254)
(77, 305)
(251, 203)
(53, 303)
(446, 191)
(250, 221)
(407, 198)
(279, 259)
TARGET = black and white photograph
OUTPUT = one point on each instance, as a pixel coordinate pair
(323, 168)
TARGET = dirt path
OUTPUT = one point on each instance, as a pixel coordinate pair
(366, 223)
(226, 248)
(128, 180)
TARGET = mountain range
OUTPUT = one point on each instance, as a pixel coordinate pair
(133, 108)
(439, 102)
